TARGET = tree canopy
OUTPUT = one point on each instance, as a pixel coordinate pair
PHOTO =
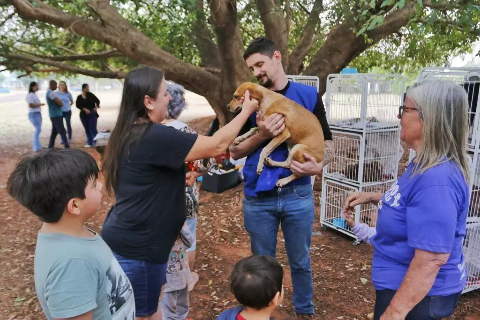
(200, 44)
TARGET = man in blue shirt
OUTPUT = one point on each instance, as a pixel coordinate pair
(56, 116)
(265, 206)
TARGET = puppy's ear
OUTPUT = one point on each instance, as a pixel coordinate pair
(256, 94)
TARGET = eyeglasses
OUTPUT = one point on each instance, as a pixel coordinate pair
(402, 109)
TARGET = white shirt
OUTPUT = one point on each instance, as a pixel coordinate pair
(33, 99)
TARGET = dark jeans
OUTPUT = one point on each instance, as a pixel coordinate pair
(89, 122)
(431, 307)
(67, 115)
(58, 128)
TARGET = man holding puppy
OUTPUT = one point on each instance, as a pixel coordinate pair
(265, 206)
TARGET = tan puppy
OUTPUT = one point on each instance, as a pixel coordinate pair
(303, 132)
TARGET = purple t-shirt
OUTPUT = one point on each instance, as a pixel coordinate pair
(428, 212)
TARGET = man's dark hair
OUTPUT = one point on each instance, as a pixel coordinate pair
(261, 45)
(256, 280)
(53, 82)
(84, 86)
(44, 183)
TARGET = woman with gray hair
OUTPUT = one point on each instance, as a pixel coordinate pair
(196, 169)
(418, 269)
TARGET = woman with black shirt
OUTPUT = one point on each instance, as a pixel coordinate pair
(144, 166)
(88, 104)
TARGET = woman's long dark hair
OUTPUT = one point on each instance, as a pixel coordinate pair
(132, 119)
(30, 87)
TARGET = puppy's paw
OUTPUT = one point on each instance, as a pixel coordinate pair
(260, 168)
(280, 183)
(237, 141)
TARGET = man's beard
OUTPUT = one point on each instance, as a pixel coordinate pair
(268, 83)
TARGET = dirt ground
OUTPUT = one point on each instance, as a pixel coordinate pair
(339, 268)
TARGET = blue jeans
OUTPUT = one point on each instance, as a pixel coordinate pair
(147, 280)
(429, 308)
(67, 115)
(36, 120)
(89, 122)
(292, 207)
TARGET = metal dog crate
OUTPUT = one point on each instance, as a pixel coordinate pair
(362, 112)
(334, 194)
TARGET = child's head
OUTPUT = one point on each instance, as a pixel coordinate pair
(53, 182)
(257, 282)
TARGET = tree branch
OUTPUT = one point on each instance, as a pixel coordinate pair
(342, 45)
(288, 15)
(88, 57)
(231, 48)
(62, 66)
(306, 42)
(47, 70)
(203, 38)
(275, 25)
(85, 57)
(118, 33)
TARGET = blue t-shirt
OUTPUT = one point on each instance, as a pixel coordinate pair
(54, 110)
(66, 99)
(428, 212)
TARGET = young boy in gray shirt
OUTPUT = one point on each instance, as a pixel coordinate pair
(76, 274)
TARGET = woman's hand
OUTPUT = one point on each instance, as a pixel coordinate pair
(249, 105)
(191, 177)
(86, 111)
(360, 198)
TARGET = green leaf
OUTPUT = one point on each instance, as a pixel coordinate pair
(420, 2)
(363, 280)
(386, 3)
(361, 31)
(401, 3)
(376, 20)
(372, 4)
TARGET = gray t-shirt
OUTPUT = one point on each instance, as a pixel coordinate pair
(75, 275)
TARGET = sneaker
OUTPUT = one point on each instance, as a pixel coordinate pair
(87, 146)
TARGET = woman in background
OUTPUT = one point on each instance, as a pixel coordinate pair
(67, 100)
(88, 104)
(35, 114)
